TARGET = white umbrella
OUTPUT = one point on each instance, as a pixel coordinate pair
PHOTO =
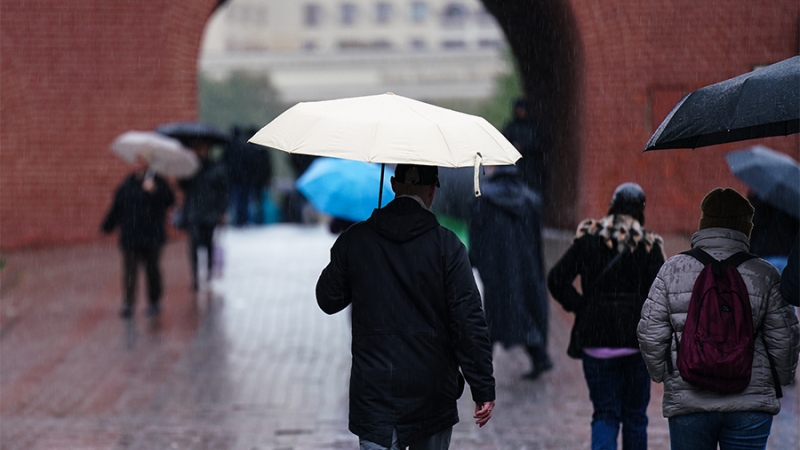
(164, 155)
(389, 129)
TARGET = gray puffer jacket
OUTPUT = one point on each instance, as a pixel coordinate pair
(664, 313)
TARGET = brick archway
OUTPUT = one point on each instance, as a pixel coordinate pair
(543, 38)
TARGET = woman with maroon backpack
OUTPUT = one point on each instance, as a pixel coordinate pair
(705, 413)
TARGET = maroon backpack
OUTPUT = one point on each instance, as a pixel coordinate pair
(718, 342)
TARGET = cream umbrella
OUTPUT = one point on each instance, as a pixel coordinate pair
(164, 155)
(388, 129)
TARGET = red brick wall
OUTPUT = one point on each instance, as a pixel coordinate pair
(75, 74)
(641, 55)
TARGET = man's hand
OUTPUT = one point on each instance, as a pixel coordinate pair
(483, 412)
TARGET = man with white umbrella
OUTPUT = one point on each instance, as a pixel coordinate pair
(417, 320)
(139, 209)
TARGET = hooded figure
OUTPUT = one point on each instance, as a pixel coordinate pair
(417, 320)
(506, 248)
(617, 261)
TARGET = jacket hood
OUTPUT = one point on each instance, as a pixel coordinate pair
(504, 190)
(720, 242)
(402, 220)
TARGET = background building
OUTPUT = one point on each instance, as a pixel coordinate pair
(323, 49)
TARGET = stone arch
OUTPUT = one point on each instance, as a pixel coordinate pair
(544, 41)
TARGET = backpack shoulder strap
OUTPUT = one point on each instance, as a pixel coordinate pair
(738, 258)
(700, 255)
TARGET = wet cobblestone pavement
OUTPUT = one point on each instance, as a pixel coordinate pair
(249, 362)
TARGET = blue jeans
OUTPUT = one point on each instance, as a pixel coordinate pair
(620, 391)
(735, 430)
(438, 441)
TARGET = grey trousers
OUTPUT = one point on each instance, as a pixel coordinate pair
(438, 441)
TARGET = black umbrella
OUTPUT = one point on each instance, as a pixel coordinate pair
(761, 103)
(190, 131)
(772, 176)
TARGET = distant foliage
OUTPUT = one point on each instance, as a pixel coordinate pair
(497, 110)
(241, 99)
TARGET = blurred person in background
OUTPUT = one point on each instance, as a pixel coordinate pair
(506, 248)
(139, 209)
(250, 171)
(206, 196)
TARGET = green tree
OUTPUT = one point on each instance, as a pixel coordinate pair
(497, 109)
(240, 99)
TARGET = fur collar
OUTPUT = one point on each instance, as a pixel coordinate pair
(620, 230)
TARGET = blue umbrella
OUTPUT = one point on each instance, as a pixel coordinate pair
(774, 177)
(344, 188)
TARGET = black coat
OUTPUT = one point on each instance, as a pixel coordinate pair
(207, 192)
(417, 318)
(139, 214)
(608, 311)
(506, 248)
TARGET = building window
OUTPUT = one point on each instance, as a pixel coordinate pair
(312, 15)
(418, 44)
(453, 44)
(419, 12)
(349, 13)
(490, 43)
(383, 12)
(454, 14)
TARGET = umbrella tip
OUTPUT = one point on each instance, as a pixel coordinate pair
(390, 93)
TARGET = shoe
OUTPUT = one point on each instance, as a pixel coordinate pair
(126, 312)
(538, 370)
(154, 310)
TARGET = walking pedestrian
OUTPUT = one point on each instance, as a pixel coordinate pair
(506, 248)
(417, 320)
(773, 233)
(204, 206)
(139, 210)
(529, 138)
(617, 260)
(701, 418)
(791, 273)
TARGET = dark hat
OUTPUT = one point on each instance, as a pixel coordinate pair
(417, 174)
(726, 208)
(628, 194)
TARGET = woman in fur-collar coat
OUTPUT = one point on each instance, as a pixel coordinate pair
(617, 261)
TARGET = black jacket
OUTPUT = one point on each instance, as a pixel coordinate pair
(139, 214)
(608, 311)
(417, 318)
(506, 248)
(207, 193)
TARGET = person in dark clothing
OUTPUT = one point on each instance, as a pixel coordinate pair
(250, 172)
(617, 261)
(506, 248)
(773, 232)
(204, 206)
(789, 277)
(532, 143)
(417, 319)
(139, 210)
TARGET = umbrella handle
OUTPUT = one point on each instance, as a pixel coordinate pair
(380, 190)
(476, 179)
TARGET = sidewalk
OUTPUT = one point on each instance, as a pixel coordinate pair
(248, 363)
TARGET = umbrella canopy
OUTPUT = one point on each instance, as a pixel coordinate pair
(388, 129)
(343, 188)
(772, 176)
(188, 131)
(761, 103)
(164, 155)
